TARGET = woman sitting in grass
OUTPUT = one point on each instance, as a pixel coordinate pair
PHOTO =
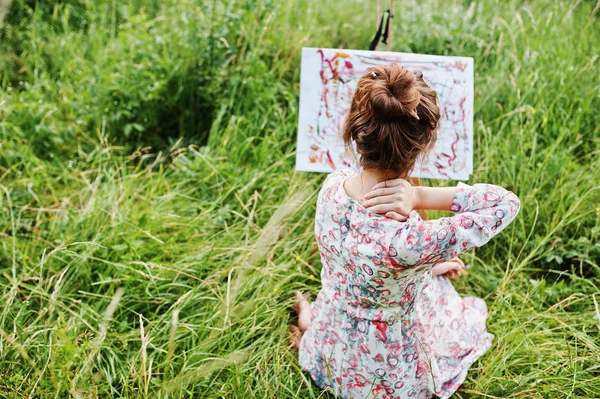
(387, 322)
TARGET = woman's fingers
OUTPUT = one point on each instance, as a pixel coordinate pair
(457, 267)
(380, 191)
(396, 216)
(455, 273)
(449, 269)
(388, 199)
(389, 196)
(389, 183)
(442, 268)
(382, 209)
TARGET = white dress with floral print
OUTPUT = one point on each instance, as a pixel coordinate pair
(382, 326)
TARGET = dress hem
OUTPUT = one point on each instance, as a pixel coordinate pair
(468, 360)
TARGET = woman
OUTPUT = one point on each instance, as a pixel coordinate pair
(387, 322)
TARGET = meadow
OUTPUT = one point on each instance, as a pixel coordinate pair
(153, 228)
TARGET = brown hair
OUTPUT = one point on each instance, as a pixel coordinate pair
(393, 119)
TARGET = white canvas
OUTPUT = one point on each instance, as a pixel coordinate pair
(327, 82)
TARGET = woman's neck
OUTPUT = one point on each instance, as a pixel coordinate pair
(376, 176)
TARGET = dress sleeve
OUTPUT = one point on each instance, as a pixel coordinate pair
(481, 212)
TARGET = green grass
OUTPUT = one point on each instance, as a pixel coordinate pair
(153, 228)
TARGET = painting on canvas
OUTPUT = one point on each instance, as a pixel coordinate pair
(327, 82)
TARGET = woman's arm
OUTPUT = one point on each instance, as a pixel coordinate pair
(481, 212)
(434, 198)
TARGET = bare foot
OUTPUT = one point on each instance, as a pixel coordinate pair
(295, 336)
(302, 307)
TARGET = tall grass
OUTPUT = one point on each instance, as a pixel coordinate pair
(153, 227)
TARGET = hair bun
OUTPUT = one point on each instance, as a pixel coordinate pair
(393, 119)
(394, 93)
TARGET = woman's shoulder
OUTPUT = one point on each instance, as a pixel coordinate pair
(336, 177)
(341, 173)
(333, 182)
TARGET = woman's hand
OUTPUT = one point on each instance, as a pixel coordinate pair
(450, 269)
(393, 198)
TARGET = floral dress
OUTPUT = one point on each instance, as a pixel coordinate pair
(382, 326)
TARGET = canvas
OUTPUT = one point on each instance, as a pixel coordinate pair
(327, 82)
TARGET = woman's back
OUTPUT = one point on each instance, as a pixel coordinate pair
(359, 254)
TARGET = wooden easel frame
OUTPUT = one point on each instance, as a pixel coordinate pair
(391, 25)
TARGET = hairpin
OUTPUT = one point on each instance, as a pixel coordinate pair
(373, 74)
(414, 114)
